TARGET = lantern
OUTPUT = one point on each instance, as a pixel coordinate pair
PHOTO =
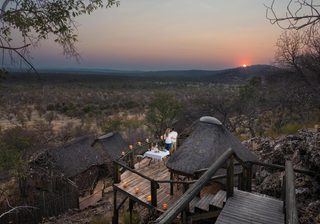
(161, 137)
(139, 143)
(125, 184)
(149, 198)
(165, 206)
(137, 190)
(147, 140)
(130, 147)
(123, 153)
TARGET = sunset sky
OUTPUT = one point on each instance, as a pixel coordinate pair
(170, 34)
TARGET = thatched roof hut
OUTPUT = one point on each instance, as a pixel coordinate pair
(110, 146)
(75, 157)
(85, 159)
(207, 142)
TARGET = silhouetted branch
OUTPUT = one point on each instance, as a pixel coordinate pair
(299, 14)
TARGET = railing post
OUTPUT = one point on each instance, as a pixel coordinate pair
(131, 160)
(291, 216)
(116, 173)
(171, 184)
(249, 177)
(230, 177)
(154, 187)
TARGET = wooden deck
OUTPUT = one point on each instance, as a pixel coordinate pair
(157, 171)
(245, 207)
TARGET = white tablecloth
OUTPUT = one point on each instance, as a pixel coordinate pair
(157, 155)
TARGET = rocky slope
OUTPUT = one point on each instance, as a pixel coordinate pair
(303, 149)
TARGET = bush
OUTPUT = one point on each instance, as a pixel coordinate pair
(291, 128)
(126, 217)
(100, 220)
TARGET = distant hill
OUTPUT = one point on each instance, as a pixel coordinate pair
(232, 75)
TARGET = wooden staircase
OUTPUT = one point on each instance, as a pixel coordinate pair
(208, 206)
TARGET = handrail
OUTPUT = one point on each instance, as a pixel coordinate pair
(291, 216)
(132, 170)
(182, 202)
(193, 181)
(280, 167)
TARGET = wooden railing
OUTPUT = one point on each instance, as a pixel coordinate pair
(290, 206)
(181, 204)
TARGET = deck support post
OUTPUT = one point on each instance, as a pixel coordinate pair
(184, 216)
(115, 217)
(171, 184)
(154, 186)
(230, 177)
(130, 209)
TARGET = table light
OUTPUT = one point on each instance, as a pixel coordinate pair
(137, 190)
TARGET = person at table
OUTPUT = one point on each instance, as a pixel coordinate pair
(174, 135)
(167, 139)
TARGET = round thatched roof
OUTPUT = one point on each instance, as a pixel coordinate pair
(208, 141)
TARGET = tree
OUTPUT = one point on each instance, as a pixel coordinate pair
(300, 52)
(163, 111)
(28, 21)
(297, 14)
(289, 50)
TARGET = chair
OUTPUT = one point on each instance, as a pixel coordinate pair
(139, 158)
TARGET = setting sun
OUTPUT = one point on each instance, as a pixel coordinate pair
(244, 65)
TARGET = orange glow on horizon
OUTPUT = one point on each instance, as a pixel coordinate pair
(244, 65)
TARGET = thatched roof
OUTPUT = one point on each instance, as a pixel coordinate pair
(76, 157)
(204, 146)
(79, 155)
(112, 145)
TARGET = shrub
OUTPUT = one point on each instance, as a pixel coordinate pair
(126, 217)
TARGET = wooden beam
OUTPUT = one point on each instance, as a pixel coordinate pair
(290, 202)
(230, 177)
(115, 217)
(116, 173)
(182, 203)
(279, 167)
(154, 186)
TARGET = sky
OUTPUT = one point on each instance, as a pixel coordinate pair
(169, 34)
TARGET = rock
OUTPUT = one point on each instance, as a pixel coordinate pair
(303, 149)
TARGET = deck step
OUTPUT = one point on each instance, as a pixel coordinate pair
(203, 203)
(193, 203)
(218, 201)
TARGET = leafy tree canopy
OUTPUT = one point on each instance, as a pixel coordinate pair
(25, 22)
(163, 110)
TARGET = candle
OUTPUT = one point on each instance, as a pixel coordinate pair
(147, 140)
(149, 198)
(123, 153)
(130, 146)
(125, 184)
(165, 206)
(139, 143)
(161, 137)
(137, 190)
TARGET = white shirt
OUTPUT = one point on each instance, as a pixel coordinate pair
(168, 139)
(173, 136)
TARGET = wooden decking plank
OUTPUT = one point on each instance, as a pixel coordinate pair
(218, 199)
(245, 207)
